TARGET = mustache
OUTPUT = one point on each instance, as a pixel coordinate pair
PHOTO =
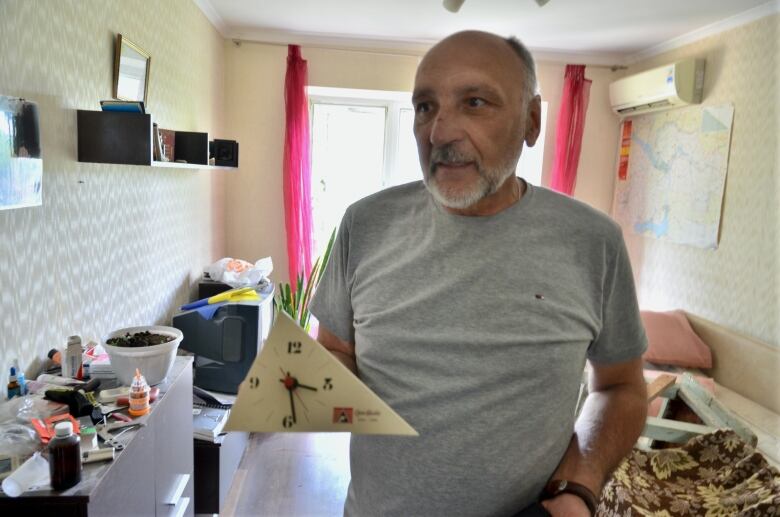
(448, 154)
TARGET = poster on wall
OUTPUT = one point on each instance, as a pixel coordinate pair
(21, 166)
(672, 174)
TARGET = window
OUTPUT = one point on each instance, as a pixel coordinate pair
(362, 142)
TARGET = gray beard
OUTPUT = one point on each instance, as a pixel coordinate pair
(488, 182)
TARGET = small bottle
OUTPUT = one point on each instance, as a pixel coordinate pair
(20, 378)
(13, 385)
(64, 457)
(139, 395)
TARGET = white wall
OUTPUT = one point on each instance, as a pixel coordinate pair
(112, 245)
(738, 284)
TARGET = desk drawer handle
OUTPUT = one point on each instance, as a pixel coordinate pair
(179, 485)
(181, 507)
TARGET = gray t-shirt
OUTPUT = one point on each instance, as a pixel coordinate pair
(476, 331)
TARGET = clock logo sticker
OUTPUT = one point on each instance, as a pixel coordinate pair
(296, 385)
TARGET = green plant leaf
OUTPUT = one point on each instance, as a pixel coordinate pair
(310, 284)
(326, 256)
(294, 300)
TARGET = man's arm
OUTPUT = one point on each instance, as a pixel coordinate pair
(344, 351)
(611, 420)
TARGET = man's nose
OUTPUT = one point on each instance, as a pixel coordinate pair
(446, 128)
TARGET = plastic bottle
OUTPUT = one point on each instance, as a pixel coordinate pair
(20, 378)
(72, 364)
(13, 385)
(64, 457)
(139, 395)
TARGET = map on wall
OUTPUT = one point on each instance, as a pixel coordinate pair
(672, 174)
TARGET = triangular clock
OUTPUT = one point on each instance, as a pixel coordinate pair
(296, 385)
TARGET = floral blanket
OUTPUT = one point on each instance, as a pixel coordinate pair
(713, 475)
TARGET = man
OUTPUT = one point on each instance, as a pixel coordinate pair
(470, 302)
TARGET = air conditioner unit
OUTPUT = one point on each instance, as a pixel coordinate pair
(670, 86)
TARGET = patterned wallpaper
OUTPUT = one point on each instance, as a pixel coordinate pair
(738, 284)
(112, 245)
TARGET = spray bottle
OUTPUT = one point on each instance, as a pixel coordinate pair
(139, 395)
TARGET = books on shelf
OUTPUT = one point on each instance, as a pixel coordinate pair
(126, 106)
(168, 141)
(157, 154)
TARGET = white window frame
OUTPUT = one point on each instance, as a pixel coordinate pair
(392, 101)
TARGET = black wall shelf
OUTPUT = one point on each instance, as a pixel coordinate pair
(126, 139)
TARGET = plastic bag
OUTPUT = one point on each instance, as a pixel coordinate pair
(18, 438)
(240, 273)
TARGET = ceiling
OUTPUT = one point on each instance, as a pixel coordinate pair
(595, 31)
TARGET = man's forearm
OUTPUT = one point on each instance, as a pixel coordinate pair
(346, 359)
(606, 430)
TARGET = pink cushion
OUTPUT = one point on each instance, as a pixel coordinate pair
(672, 341)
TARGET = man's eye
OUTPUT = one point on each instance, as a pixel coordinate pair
(422, 107)
(475, 102)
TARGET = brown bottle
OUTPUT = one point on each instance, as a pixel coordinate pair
(64, 457)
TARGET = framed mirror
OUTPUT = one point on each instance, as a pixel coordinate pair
(131, 71)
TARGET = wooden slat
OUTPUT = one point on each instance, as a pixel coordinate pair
(673, 431)
(712, 412)
(655, 388)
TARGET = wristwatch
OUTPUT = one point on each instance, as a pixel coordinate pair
(557, 487)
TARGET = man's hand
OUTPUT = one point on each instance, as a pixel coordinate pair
(610, 422)
(344, 352)
(566, 505)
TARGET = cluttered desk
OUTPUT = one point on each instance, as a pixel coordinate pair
(142, 467)
(108, 455)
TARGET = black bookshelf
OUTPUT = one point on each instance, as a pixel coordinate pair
(126, 139)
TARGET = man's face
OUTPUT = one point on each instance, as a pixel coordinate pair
(471, 118)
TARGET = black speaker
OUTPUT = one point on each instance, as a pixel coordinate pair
(226, 153)
(191, 147)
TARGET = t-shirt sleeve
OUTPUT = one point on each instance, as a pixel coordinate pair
(622, 336)
(332, 304)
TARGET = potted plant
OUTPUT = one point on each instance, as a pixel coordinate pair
(294, 300)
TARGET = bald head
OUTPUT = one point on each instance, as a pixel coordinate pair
(488, 46)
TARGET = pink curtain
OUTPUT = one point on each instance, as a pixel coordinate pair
(297, 166)
(568, 131)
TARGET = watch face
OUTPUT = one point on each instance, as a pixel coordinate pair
(296, 385)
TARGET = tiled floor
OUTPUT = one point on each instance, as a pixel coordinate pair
(291, 475)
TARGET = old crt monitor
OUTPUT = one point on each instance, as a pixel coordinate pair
(225, 346)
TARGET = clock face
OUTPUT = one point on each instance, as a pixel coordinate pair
(296, 385)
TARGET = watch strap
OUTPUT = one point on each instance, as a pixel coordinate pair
(557, 487)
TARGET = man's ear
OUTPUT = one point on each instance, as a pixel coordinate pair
(533, 121)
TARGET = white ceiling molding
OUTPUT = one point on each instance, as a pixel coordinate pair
(332, 41)
(607, 59)
(213, 16)
(751, 15)
(402, 47)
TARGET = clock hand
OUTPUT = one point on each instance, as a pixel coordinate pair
(292, 405)
(304, 386)
(290, 384)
